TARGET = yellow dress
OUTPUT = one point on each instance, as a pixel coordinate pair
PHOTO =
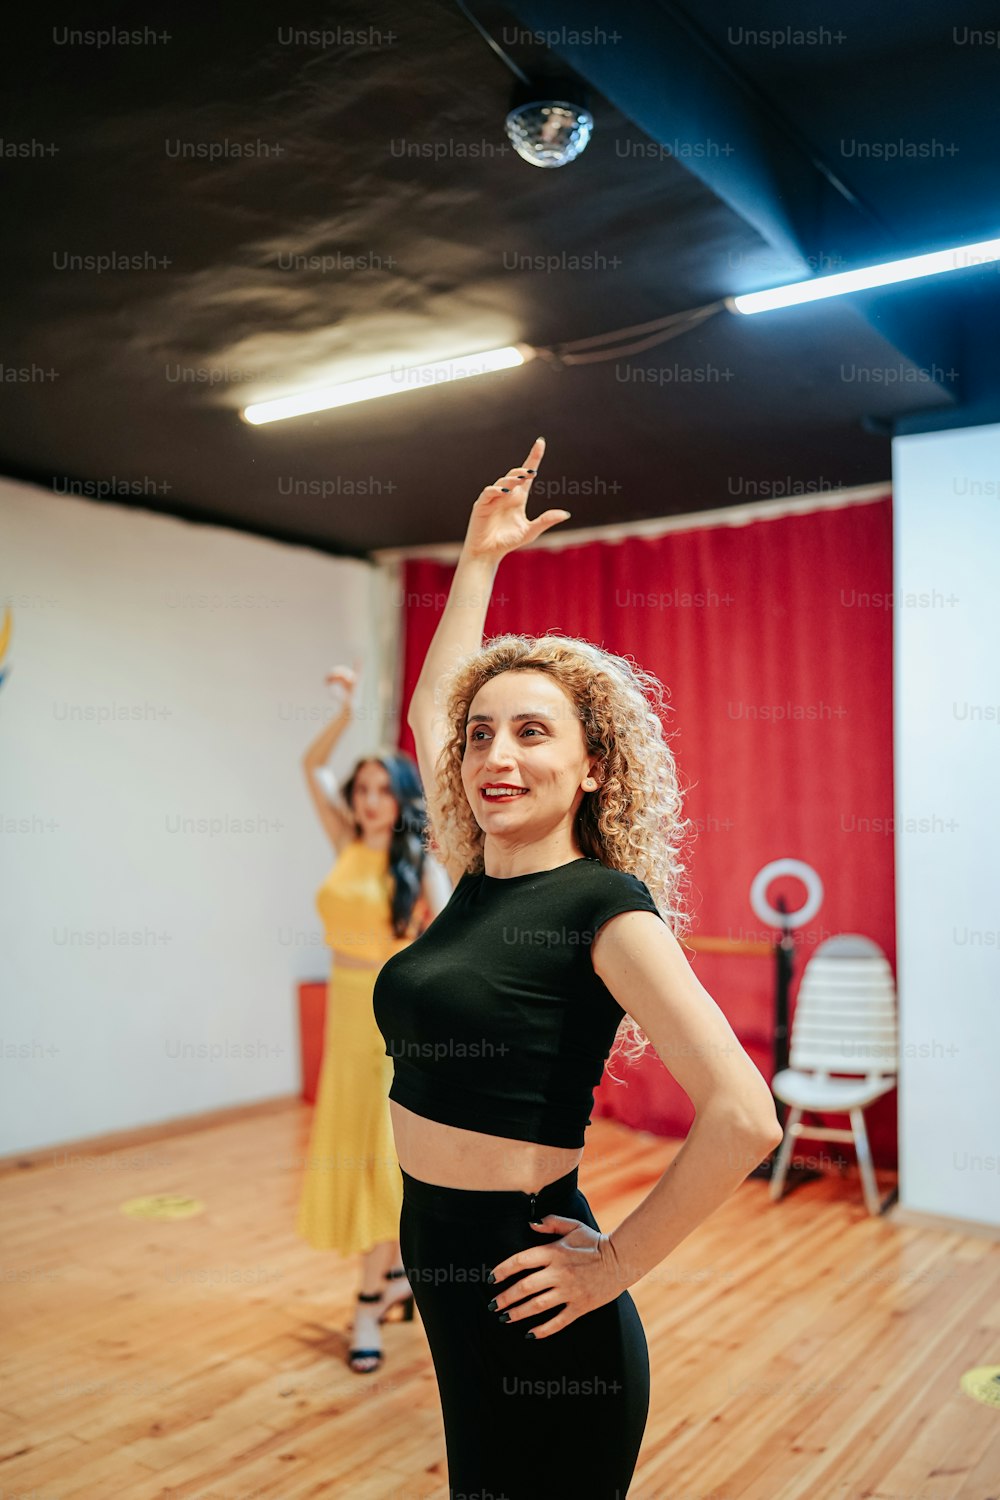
(352, 1190)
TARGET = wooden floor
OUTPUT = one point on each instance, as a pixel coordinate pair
(797, 1350)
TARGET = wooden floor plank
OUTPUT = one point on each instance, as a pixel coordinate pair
(799, 1351)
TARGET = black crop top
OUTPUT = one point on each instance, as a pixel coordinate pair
(494, 1017)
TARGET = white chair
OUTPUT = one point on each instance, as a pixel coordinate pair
(844, 1022)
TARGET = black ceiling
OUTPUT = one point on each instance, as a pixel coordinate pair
(727, 155)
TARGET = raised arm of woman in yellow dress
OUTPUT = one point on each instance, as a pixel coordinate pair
(333, 812)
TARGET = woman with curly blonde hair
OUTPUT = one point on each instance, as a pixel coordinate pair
(553, 803)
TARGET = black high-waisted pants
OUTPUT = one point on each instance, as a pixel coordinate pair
(523, 1418)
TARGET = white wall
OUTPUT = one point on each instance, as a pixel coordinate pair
(161, 673)
(946, 503)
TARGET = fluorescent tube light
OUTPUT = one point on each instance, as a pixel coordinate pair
(886, 274)
(398, 378)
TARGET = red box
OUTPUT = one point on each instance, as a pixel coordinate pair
(312, 1025)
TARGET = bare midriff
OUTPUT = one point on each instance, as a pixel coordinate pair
(453, 1157)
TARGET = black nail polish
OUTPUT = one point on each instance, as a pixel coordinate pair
(529, 1334)
(531, 471)
(503, 491)
(505, 1316)
(491, 1306)
(491, 1279)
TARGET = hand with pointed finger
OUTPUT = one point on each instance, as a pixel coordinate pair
(576, 1274)
(499, 523)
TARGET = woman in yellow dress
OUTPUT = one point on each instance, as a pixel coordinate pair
(384, 888)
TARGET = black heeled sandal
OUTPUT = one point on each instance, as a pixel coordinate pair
(375, 1354)
(406, 1303)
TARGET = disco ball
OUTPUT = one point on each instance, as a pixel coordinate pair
(549, 132)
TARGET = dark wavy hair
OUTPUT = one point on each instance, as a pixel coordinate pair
(407, 850)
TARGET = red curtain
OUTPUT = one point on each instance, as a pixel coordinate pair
(774, 642)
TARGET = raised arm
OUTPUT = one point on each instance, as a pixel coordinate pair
(331, 809)
(498, 525)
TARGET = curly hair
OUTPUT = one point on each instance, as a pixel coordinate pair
(633, 821)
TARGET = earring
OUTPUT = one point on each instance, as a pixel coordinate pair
(589, 784)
